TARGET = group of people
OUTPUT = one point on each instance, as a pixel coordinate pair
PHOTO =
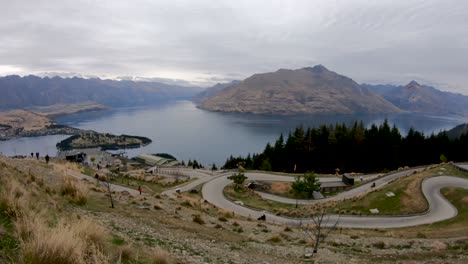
(47, 158)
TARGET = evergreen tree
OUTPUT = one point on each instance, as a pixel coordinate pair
(238, 179)
(305, 186)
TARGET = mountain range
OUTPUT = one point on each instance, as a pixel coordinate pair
(31, 91)
(316, 90)
(311, 90)
(418, 98)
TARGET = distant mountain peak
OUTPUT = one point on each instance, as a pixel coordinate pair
(317, 68)
(413, 82)
(311, 90)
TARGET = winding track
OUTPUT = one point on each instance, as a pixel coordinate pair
(439, 208)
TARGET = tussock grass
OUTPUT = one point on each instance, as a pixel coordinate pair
(126, 253)
(197, 219)
(41, 240)
(74, 190)
(276, 238)
(80, 241)
(12, 201)
(161, 256)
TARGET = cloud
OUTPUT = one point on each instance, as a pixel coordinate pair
(205, 41)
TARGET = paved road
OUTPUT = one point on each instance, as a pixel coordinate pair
(463, 166)
(218, 184)
(440, 208)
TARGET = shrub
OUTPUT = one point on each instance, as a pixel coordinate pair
(235, 224)
(222, 219)
(157, 207)
(197, 219)
(226, 214)
(275, 238)
(421, 235)
(186, 203)
(379, 245)
(287, 229)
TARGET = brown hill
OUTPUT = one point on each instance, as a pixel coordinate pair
(302, 91)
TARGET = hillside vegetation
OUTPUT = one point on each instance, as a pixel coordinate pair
(354, 149)
(48, 217)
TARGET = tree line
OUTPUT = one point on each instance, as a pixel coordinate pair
(353, 149)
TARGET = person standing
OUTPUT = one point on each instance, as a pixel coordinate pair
(47, 158)
(139, 189)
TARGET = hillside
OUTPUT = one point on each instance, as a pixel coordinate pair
(458, 131)
(53, 213)
(212, 91)
(313, 90)
(30, 91)
(415, 97)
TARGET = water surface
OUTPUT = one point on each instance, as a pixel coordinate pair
(187, 132)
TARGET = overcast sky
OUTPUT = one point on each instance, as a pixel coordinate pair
(214, 41)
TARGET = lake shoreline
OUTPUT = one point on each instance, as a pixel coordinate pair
(187, 132)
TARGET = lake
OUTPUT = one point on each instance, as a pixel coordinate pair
(187, 132)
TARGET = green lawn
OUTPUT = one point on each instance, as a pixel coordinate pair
(459, 198)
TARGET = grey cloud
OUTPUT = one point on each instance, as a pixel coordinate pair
(210, 41)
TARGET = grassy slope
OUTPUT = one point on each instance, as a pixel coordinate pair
(39, 223)
(408, 197)
(138, 226)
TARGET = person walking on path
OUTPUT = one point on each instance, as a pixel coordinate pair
(47, 158)
(139, 189)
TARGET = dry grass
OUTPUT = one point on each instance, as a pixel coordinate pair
(74, 190)
(225, 214)
(12, 201)
(64, 243)
(41, 240)
(280, 187)
(161, 257)
(198, 219)
(276, 238)
(126, 253)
